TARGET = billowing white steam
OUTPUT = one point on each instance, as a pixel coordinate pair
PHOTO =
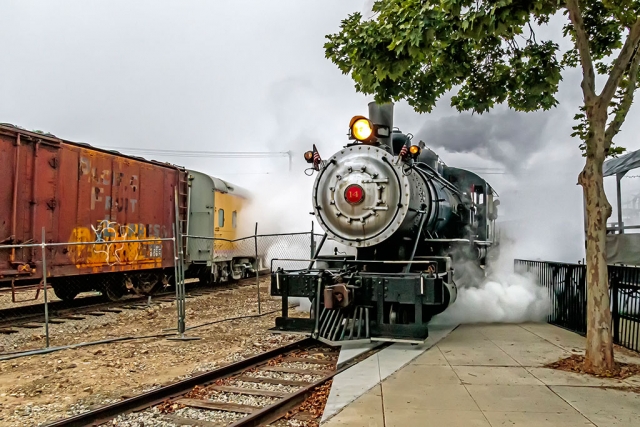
(506, 298)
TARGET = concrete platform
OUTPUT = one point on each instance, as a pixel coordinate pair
(481, 375)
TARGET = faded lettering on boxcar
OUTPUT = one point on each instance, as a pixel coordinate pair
(102, 180)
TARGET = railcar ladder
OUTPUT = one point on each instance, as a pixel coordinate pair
(183, 210)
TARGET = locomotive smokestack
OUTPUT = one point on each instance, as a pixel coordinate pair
(382, 114)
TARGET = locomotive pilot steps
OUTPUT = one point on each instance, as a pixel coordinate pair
(412, 221)
(80, 193)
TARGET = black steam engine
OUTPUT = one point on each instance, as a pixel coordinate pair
(412, 220)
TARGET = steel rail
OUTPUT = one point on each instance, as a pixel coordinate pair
(277, 410)
(12, 317)
(7, 325)
(159, 395)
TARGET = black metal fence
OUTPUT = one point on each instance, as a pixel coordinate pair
(566, 284)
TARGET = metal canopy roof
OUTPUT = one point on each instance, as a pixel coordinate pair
(621, 164)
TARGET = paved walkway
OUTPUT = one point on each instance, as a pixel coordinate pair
(484, 376)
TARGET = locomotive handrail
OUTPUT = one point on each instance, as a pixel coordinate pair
(355, 260)
(451, 240)
(348, 261)
(436, 176)
(366, 273)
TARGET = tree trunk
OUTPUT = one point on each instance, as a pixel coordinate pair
(599, 354)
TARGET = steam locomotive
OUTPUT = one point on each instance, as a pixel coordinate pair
(412, 220)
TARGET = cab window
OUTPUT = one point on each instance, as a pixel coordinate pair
(234, 219)
(220, 217)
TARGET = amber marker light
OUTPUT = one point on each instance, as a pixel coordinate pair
(414, 150)
(308, 156)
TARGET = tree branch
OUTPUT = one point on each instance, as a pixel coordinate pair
(620, 65)
(627, 100)
(582, 44)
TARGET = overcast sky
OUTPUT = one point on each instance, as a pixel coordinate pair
(240, 75)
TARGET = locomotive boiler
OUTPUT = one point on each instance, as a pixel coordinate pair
(413, 222)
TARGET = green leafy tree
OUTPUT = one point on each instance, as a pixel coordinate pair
(487, 52)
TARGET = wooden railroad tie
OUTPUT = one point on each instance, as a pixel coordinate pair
(250, 391)
(29, 326)
(294, 370)
(52, 321)
(248, 379)
(181, 421)
(308, 360)
(218, 406)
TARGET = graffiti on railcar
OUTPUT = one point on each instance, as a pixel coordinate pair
(110, 243)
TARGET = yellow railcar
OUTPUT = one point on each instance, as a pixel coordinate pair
(215, 212)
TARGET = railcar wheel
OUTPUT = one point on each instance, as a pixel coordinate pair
(64, 293)
(146, 284)
(205, 277)
(224, 273)
(113, 291)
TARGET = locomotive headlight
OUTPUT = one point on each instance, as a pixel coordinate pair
(414, 150)
(308, 156)
(361, 128)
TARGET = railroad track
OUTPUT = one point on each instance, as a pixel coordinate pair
(14, 319)
(256, 391)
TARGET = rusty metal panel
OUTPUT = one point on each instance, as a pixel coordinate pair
(81, 193)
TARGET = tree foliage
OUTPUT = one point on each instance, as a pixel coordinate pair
(487, 51)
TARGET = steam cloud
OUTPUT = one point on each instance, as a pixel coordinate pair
(503, 296)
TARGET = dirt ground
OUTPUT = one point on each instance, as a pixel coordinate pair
(43, 388)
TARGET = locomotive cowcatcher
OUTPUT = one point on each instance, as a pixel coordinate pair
(417, 226)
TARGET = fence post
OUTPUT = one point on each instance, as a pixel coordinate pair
(176, 261)
(44, 282)
(615, 315)
(255, 237)
(313, 243)
(180, 290)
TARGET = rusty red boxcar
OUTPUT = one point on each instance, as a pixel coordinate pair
(80, 193)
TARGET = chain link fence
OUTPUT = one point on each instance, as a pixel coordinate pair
(57, 291)
(116, 281)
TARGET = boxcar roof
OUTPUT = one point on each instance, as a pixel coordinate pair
(222, 185)
(52, 139)
(218, 183)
